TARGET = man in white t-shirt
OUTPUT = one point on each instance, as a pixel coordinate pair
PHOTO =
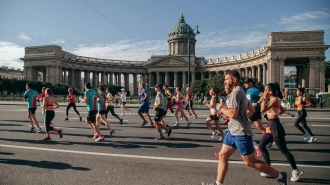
(123, 101)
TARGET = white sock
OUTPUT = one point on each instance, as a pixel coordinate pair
(218, 183)
(280, 176)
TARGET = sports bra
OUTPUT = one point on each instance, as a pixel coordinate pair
(274, 111)
(299, 102)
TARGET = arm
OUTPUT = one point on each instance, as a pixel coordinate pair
(99, 97)
(43, 102)
(145, 96)
(159, 103)
(308, 103)
(231, 112)
(265, 107)
(282, 110)
(250, 110)
(84, 100)
(56, 104)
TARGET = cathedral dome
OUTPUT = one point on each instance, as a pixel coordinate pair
(182, 26)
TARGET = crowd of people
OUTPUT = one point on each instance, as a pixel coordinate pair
(242, 108)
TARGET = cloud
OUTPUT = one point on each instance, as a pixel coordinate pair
(24, 37)
(124, 50)
(58, 41)
(10, 54)
(306, 21)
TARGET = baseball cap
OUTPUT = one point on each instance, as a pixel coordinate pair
(158, 85)
(123, 89)
(248, 80)
(143, 85)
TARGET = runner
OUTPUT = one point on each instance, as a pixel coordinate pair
(284, 102)
(70, 99)
(168, 95)
(165, 112)
(31, 96)
(253, 95)
(159, 108)
(301, 103)
(189, 105)
(49, 104)
(276, 131)
(123, 102)
(240, 133)
(179, 108)
(91, 101)
(214, 115)
(42, 96)
(102, 109)
(144, 109)
(110, 106)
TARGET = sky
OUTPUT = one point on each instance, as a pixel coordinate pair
(137, 29)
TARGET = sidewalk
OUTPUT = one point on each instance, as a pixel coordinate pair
(196, 107)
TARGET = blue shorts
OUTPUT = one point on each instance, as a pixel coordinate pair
(144, 108)
(243, 144)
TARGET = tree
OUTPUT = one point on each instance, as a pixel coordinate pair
(327, 74)
(197, 87)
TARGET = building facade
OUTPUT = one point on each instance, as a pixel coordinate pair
(11, 73)
(303, 49)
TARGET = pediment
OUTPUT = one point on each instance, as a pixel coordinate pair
(168, 61)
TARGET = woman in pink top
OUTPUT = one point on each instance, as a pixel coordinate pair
(179, 107)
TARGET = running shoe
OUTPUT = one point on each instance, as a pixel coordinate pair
(216, 154)
(160, 138)
(144, 123)
(296, 174)
(169, 132)
(66, 119)
(102, 123)
(181, 117)
(305, 136)
(221, 118)
(269, 145)
(80, 118)
(311, 139)
(190, 116)
(205, 183)
(99, 139)
(176, 124)
(47, 139)
(214, 134)
(194, 117)
(264, 174)
(284, 180)
(38, 130)
(172, 111)
(32, 129)
(220, 138)
(150, 125)
(164, 131)
(121, 121)
(60, 132)
(188, 124)
(112, 132)
(95, 136)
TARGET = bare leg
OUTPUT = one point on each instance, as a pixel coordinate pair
(148, 115)
(183, 114)
(207, 123)
(224, 154)
(217, 124)
(31, 120)
(35, 120)
(141, 115)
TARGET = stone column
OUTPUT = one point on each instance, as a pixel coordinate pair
(64, 75)
(119, 79)
(72, 82)
(77, 84)
(149, 79)
(115, 79)
(158, 78)
(253, 72)
(110, 78)
(264, 74)
(193, 77)
(314, 72)
(126, 77)
(167, 79)
(322, 74)
(184, 79)
(135, 84)
(276, 70)
(259, 73)
(69, 76)
(86, 76)
(60, 74)
(95, 79)
(176, 79)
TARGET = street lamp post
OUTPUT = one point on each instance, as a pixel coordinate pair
(189, 31)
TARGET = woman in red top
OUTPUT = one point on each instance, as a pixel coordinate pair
(70, 98)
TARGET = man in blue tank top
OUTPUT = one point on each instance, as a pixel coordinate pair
(253, 95)
(144, 109)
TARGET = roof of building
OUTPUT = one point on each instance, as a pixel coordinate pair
(182, 26)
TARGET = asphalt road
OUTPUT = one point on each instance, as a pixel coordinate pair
(133, 156)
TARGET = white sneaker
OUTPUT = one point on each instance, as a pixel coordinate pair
(311, 139)
(220, 138)
(95, 136)
(194, 117)
(305, 136)
(296, 174)
(99, 139)
(214, 134)
(264, 174)
(176, 124)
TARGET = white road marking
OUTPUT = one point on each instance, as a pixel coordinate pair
(320, 125)
(145, 157)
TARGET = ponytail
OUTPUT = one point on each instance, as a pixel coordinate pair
(278, 91)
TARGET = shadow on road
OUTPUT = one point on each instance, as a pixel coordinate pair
(6, 153)
(42, 164)
(313, 181)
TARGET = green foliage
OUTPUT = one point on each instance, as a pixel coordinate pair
(198, 87)
(327, 74)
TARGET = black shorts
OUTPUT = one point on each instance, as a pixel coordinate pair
(189, 105)
(102, 111)
(91, 117)
(214, 117)
(255, 115)
(124, 103)
(32, 111)
(159, 114)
